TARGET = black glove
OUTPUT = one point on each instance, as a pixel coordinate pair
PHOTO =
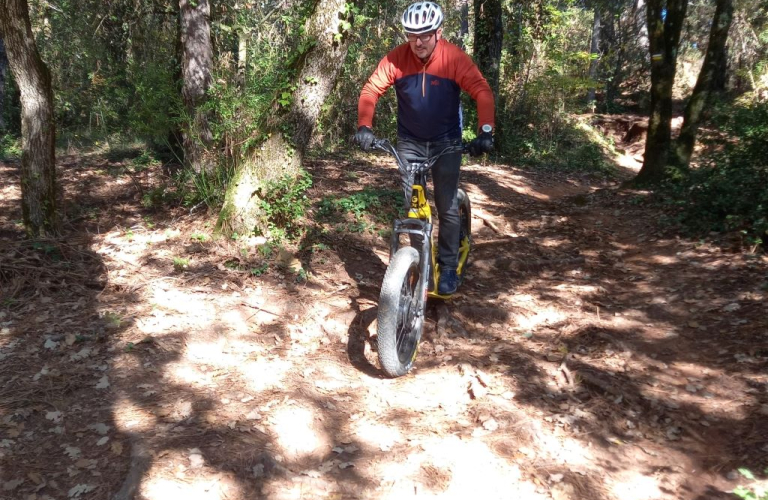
(364, 137)
(483, 143)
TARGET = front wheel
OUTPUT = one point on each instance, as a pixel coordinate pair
(465, 231)
(401, 313)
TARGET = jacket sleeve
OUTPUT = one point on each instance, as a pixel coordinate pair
(470, 79)
(381, 79)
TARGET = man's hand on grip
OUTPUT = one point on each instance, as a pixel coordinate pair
(483, 143)
(364, 137)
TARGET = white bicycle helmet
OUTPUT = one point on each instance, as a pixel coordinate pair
(421, 17)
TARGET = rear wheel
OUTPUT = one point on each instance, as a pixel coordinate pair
(465, 229)
(401, 313)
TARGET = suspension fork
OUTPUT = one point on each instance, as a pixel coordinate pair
(421, 228)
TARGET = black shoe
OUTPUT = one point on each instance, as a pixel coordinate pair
(449, 282)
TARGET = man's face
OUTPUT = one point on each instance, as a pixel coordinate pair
(423, 45)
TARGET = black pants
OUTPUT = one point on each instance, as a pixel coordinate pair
(445, 179)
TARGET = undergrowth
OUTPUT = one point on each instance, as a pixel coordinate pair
(10, 147)
(571, 146)
(727, 191)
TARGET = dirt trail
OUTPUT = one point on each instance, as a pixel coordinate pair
(589, 355)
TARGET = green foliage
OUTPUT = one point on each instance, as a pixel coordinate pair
(180, 264)
(156, 104)
(727, 193)
(755, 490)
(571, 146)
(10, 147)
(156, 197)
(259, 270)
(144, 161)
(380, 204)
(204, 188)
(284, 203)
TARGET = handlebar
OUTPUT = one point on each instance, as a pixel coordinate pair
(417, 167)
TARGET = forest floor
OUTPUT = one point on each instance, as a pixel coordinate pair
(590, 354)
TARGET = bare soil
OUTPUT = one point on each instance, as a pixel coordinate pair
(590, 354)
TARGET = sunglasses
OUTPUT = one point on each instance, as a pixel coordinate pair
(424, 38)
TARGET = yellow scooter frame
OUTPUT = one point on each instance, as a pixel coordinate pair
(421, 210)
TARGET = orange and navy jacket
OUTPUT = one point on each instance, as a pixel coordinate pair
(428, 105)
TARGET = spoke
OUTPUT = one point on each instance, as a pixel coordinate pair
(405, 313)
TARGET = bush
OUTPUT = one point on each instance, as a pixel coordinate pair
(284, 203)
(10, 147)
(727, 193)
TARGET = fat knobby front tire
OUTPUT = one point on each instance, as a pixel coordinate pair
(401, 313)
(465, 228)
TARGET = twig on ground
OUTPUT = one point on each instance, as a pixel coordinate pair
(488, 222)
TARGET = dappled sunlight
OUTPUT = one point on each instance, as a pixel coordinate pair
(190, 483)
(541, 316)
(212, 353)
(263, 373)
(448, 391)
(376, 435)
(552, 242)
(174, 300)
(296, 433)
(454, 468)
(633, 485)
(132, 418)
(183, 372)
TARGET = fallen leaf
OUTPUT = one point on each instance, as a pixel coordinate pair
(50, 344)
(85, 463)
(117, 448)
(12, 485)
(70, 339)
(345, 465)
(72, 451)
(35, 477)
(102, 441)
(103, 383)
(54, 416)
(79, 489)
(100, 428)
(81, 354)
(43, 371)
(327, 466)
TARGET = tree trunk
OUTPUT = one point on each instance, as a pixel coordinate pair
(3, 82)
(320, 69)
(196, 65)
(38, 158)
(718, 35)
(489, 35)
(594, 57)
(629, 29)
(665, 23)
(282, 155)
(464, 23)
(722, 75)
